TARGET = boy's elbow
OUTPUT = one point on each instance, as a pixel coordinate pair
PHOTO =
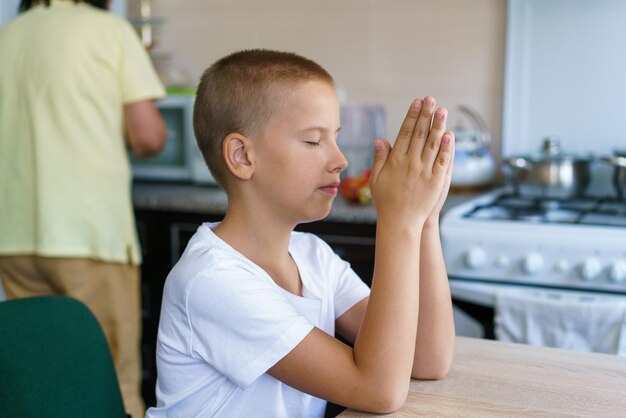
(384, 398)
(433, 372)
(433, 367)
(387, 399)
(430, 375)
(394, 402)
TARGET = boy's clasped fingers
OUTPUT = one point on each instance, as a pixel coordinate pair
(403, 140)
(433, 141)
(441, 165)
(419, 162)
(422, 126)
(416, 127)
(421, 136)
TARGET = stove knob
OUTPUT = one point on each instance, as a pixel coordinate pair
(590, 269)
(502, 261)
(617, 273)
(561, 266)
(475, 258)
(532, 264)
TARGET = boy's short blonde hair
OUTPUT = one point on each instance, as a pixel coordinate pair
(239, 93)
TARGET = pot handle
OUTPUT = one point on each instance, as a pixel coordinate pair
(615, 160)
(518, 162)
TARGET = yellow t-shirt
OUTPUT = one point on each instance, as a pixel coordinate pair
(65, 73)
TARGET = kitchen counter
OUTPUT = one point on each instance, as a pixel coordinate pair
(180, 197)
(494, 379)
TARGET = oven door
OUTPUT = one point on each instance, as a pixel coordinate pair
(602, 313)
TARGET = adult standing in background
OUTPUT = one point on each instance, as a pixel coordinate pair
(73, 78)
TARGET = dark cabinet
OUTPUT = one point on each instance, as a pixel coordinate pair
(164, 236)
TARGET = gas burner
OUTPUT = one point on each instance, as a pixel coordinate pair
(491, 212)
(580, 210)
(530, 217)
(550, 204)
(603, 220)
(617, 207)
(580, 204)
(564, 216)
(515, 202)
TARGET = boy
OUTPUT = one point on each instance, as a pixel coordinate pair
(250, 310)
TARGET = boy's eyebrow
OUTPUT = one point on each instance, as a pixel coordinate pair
(318, 128)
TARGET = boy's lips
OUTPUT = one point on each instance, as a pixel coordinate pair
(330, 188)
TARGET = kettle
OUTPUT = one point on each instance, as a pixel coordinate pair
(474, 165)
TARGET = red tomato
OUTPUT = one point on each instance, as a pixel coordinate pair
(356, 189)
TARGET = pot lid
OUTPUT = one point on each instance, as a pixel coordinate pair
(551, 151)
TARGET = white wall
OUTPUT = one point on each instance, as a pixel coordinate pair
(379, 51)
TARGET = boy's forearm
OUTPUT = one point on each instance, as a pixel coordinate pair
(385, 345)
(404, 183)
(434, 347)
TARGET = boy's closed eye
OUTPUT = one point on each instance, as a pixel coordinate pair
(317, 141)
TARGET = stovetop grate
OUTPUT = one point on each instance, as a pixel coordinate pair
(597, 211)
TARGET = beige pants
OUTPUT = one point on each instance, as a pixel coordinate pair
(110, 290)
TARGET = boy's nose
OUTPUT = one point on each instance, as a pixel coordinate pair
(340, 162)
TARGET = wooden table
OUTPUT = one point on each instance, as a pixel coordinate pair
(490, 378)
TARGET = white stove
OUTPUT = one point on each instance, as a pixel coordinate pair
(570, 254)
(576, 244)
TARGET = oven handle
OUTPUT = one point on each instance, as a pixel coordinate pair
(484, 292)
(473, 292)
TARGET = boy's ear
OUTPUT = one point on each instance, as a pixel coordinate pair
(236, 152)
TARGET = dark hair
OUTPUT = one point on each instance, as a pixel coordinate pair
(27, 4)
(239, 93)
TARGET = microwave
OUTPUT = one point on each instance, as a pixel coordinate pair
(180, 159)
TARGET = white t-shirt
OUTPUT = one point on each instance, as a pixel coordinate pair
(224, 322)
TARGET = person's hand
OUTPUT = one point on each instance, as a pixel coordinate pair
(433, 218)
(407, 180)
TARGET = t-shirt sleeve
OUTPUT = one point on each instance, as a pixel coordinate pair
(240, 323)
(347, 288)
(350, 288)
(138, 78)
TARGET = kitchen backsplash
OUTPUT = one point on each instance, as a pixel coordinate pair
(379, 51)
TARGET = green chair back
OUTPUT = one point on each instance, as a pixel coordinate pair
(55, 361)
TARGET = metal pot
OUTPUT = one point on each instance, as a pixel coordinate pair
(549, 173)
(618, 160)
